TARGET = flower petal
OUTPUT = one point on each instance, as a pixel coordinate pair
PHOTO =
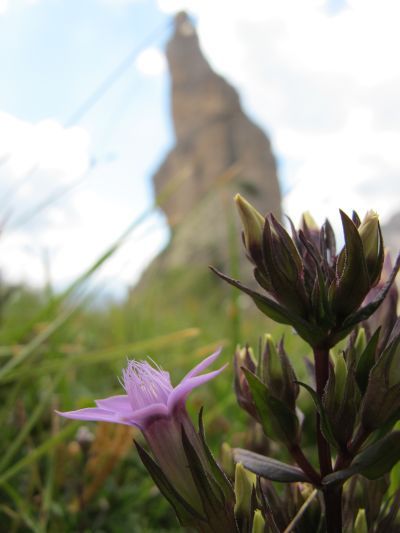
(118, 404)
(95, 414)
(186, 386)
(203, 365)
(143, 417)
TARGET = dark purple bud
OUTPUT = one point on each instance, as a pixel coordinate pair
(244, 358)
(352, 281)
(278, 374)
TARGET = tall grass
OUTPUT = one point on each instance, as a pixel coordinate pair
(58, 353)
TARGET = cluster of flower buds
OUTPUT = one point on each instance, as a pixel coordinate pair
(305, 282)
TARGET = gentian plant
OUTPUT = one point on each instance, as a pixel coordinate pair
(325, 296)
(343, 304)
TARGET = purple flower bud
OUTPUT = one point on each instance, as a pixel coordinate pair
(244, 359)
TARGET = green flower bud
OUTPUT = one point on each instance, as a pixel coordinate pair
(308, 221)
(371, 236)
(272, 369)
(258, 522)
(244, 481)
(360, 524)
(360, 344)
(227, 462)
(340, 378)
(253, 224)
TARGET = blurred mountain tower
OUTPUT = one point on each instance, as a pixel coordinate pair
(219, 151)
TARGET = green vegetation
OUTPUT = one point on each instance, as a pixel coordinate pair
(60, 352)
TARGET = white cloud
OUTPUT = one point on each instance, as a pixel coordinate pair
(46, 145)
(3, 6)
(36, 161)
(325, 85)
(42, 161)
(151, 62)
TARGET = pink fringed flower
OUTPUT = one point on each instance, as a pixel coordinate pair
(149, 395)
(158, 409)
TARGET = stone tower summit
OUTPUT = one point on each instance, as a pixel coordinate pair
(213, 138)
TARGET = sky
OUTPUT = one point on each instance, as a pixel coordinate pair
(321, 77)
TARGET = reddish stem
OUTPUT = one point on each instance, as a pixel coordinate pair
(321, 358)
(332, 495)
(305, 465)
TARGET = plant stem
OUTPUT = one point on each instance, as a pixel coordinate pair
(333, 509)
(302, 461)
(332, 495)
(321, 358)
(353, 447)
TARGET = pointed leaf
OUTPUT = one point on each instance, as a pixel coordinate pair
(326, 426)
(211, 501)
(219, 474)
(277, 420)
(366, 311)
(373, 462)
(268, 468)
(275, 311)
(265, 304)
(266, 507)
(210, 492)
(367, 361)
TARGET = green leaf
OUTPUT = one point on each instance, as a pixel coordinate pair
(366, 362)
(268, 306)
(185, 512)
(326, 426)
(268, 468)
(365, 312)
(218, 473)
(212, 497)
(373, 462)
(278, 421)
